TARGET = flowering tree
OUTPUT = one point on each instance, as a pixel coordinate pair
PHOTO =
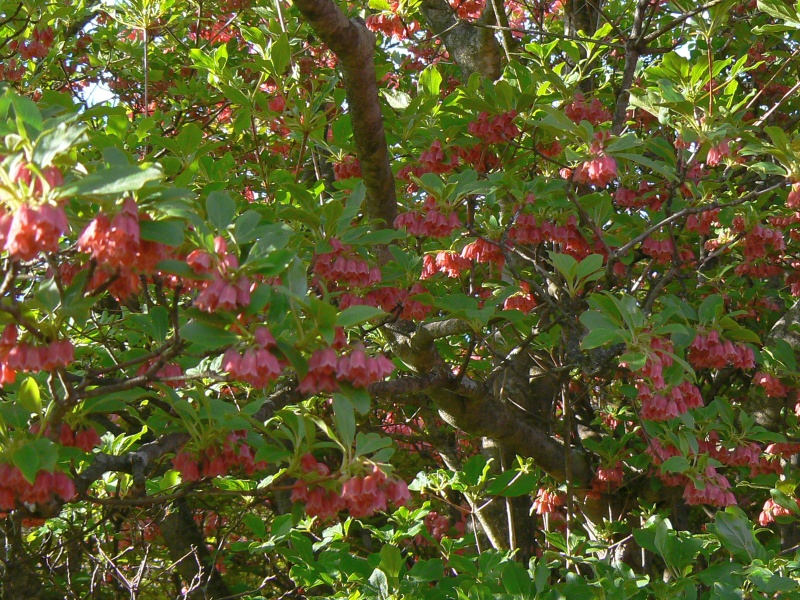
(447, 299)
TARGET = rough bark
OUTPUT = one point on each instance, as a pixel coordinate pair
(354, 46)
(475, 409)
(475, 49)
(581, 16)
(634, 48)
(187, 549)
(581, 19)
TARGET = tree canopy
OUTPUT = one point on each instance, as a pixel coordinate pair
(399, 299)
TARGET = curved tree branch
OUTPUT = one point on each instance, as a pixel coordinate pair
(474, 408)
(354, 46)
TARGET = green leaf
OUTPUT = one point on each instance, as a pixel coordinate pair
(255, 524)
(675, 464)
(359, 397)
(711, 309)
(593, 319)
(345, 418)
(114, 180)
(378, 585)
(391, 560)
(367, 443)
(517, 580)
(735, 531)
(657, 167)
(430, 81)
(159, 319)
(425, 571)
(55, 142)
(207, 337)
(220, 208)
(779, 10)
(589, 266)
(14, 414)
(244, 229)
(26, 460)
(169, 233)
(601, 337)
(355, 315)
(28, 395)
(280, 53)
(566, 265)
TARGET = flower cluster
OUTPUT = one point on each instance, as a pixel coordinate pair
(468, 9)
(709, 351)
(747, 455)
(361, 496)
(494, 129)
(326, 369)
(660, 453)
(390, 299)
(85, 438)
(526, 230)
(37, 45)
(437, 525)
(15, 489)
(391, 24)
(659, 357)
(757, 240)
(793, 199)
(662, 251)
(348, 167)
(256, 365)
(580, 110)
(319, 501)
(717, 152)
(445, 261)
(170, 371)
(119, 252)
(32, 229)
(430, 221)
(31, 358)
(484, 251)
(364, 496)
(599, 170)
(702, 222)
(434, 160)
(214, 461)
(663, 406)
(342, 266)
(647, 196)
(715, 492)
(522, 301)
(547, 502)
(606, 479)
(772, 509)
(113, 243)
(771, 384)
(226, 290)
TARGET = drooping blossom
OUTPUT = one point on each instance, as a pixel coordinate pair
(35, 229)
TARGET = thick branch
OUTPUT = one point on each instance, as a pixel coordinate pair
(475, 410)
(135, 463)
(187, 549)
(354, 46)
(474, 49)
(633, 49)
(472, 407)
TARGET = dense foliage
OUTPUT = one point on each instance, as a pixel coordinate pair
(432, 298)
